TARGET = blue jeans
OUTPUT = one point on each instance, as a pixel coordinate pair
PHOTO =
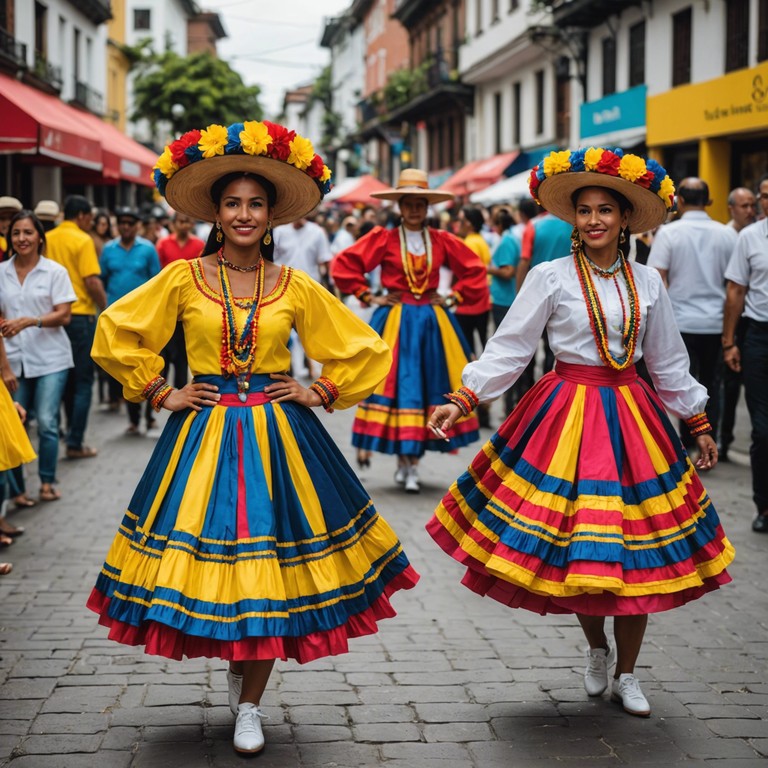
(79, 389)
(754, 361)
(42, 395)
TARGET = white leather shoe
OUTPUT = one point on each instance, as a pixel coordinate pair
(412, 481)
(235, 685)
(626, 690)
(401, 474)
(596, 673)
(249, 737)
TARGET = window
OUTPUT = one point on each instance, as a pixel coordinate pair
(497, 122)
(539, 98)
(76, 55)
(142, 18)
(736, 34)
(609, 65)
(637, 54)
(513, 5)
(494, 11)
(762, 30)
(478, 17)
(681, 47)
(516, 114)
(563, 98)
(41, 13)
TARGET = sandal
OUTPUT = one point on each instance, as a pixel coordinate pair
(10, 530)
(83, 452)
(49, 493)
(363, 458)
(5, 568)
(132, 429)
(5, 541)
(22, 501)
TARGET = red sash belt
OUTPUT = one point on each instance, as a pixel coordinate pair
(600, 375)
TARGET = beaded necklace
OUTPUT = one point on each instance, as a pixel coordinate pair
(630, 325)
(418, 279)
(237, 353)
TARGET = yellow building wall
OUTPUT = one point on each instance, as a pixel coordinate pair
(117, 67)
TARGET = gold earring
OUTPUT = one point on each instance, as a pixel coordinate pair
(622, 237)
(267, 239)
(219, 233)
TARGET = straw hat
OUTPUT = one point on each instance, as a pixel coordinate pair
(8, 203)
(644, 183)
(414, 183)
(47, 210)
(189, 167)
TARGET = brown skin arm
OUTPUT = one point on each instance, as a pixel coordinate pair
(734, 307)
(507, 272)
(664, 275)
(522, 272)
(95, 289)
(59, 315)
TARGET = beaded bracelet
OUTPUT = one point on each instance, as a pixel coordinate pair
(327, 391)
(151, 389)
(160, 396)
(698, 424)
(465, 399)
(363, 295)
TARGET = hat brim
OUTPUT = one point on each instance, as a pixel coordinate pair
(556, 195)
(189, 189)
(431, 195)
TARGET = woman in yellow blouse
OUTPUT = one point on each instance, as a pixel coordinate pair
(249, 538)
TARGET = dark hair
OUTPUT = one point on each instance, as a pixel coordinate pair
(697, 196)
(75, 205)
(762, 181)
(503, 219)
(365, 228)
(474, 216)
(624, 205)
(529, 207)
(25, 213)
(212, 245)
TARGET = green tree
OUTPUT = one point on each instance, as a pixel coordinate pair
(207, 88)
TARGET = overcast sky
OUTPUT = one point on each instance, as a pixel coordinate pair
(275, 45)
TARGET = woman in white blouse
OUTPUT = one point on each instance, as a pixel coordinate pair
(585, 500)
(36, 298)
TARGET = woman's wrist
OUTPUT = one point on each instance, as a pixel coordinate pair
(698, 424)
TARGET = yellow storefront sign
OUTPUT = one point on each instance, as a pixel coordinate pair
(734, 103)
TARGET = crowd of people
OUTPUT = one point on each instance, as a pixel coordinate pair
(593, 309)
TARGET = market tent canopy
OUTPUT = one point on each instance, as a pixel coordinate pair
(37, 122)
(504, 191)
(357, 189)
(479, 174)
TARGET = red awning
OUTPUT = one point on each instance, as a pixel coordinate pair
(356, 190)
(33, 121)
(479, 174)
(123, 157)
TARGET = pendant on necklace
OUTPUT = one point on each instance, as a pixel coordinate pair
(243, 385)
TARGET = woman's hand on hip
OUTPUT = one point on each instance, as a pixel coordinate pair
(287, 388)
(388, 300)
(443, 418)
(195, 396)
(708, 448)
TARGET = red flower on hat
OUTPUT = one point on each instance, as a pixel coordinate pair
(315, 169)
(280, 147)
(534, 181)
(178, 148)
(609, 163)
(645, 180)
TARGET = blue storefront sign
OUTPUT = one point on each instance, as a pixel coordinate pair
(617, 112)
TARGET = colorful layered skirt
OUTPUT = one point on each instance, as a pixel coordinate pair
(429, 354)
(15, 448)
(249, 537)
(585, 501)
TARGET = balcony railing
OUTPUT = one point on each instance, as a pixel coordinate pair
(87, 97)
(47, 71)
(12, 50)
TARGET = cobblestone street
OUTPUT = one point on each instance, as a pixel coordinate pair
(453, 681)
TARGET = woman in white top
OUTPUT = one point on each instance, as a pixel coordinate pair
(36, 298)
(585, 500)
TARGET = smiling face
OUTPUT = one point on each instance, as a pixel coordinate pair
(243, 213)
(599, 220)
(25, 239)
(414, 211)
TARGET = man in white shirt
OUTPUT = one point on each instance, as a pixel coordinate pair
(303, 245)
(346, 235)
(692, 255)
(747, 294)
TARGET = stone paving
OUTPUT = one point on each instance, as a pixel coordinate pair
(454, 681)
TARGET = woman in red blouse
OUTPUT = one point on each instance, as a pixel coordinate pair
(411, 316)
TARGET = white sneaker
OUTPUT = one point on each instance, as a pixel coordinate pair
(412, 481)
(596, 673)
(401, 474)
(626, 690)
(249, 737)
(235, 685)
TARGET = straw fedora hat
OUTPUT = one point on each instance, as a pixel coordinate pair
(414, 183)
(185, 176)
(644, 183)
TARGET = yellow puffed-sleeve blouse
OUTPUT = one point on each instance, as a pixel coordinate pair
(133, 331)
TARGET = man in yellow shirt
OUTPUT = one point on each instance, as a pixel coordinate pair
(72, 246)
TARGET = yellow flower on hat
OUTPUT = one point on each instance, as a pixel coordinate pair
(326, 174)
(557, 162)
(632, 167)
(213, 140)
(255, 137)
(302, 152)
(667, 191)
(165, 164)
(592, 157)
